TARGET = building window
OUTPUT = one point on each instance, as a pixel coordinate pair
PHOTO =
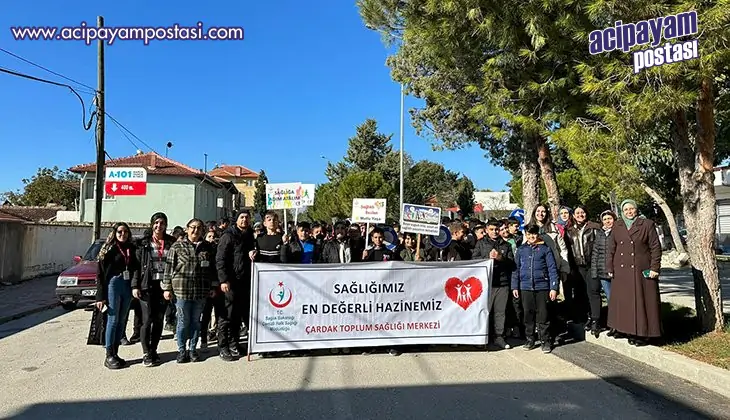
(250, 182)
(88, 189)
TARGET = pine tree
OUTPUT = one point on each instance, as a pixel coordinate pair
(259, 201)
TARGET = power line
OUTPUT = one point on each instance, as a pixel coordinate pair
(120, 125)
(48, 70)
(50, 82)
(123, 133)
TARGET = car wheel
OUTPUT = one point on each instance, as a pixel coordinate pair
(69, 306)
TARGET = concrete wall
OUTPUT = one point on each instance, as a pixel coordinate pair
(49, 249)
(33, 250)
(11, 236)
(173, 195)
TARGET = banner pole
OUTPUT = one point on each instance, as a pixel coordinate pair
(285, 225)
(250, 313)
(367, 234)
(418, 247)
(296, 215)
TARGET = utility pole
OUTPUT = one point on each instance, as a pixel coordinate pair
(100, 155)
(400, 209)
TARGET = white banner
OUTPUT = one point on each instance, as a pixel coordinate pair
(368, 304)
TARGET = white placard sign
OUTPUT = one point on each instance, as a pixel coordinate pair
(421, 219)
(283, 196)
(308, 194)
(368, 210)
(368, 304)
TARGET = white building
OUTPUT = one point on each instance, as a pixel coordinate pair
(494, 201)
(722, 195)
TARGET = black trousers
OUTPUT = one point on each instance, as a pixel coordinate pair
(576, 293)
(232, 311)
(535, 305)
(206, 317)
(171, 311)
(515, 314)
(498, 299)
(153, 306)
(137, 327)
(594, 295)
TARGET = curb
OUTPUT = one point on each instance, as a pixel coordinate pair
(707, 376)
(23, 314)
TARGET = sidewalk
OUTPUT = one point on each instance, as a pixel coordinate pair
(27, 298)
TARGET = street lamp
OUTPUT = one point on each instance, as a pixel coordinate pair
(402, 96)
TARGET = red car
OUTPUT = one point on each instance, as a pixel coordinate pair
(78, 283)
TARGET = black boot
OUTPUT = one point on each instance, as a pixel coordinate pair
(111, 362)
(595, 329)
(122, 362)
(611, 332)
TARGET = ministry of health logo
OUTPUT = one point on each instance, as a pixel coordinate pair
(280, 296)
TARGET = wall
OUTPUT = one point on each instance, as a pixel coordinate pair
(206, 202)
(11, 236)
(67, 216)
(49, 249)
(173, 195)
(29, 250)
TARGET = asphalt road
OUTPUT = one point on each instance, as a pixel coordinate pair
(48, 371)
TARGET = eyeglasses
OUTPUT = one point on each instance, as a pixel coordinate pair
(196, 227)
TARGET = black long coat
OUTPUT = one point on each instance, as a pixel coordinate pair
(635, 304)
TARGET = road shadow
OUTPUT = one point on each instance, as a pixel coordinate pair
(21, 324)
(578, 399)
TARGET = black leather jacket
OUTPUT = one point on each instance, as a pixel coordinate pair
(581, 242)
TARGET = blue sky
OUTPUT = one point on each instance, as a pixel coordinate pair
(292, 91)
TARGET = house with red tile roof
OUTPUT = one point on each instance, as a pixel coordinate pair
(31, 213)
(243, 178)
(180, 191)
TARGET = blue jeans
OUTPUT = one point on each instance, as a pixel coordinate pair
(188, 323)
(606, 284)
(120, 297)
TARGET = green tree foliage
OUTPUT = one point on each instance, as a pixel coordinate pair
(335, 200)
(681, 98)
(576, 188)
(427, 179)
(465, 196)
(367, 150)
(48, 185)
(259, 200)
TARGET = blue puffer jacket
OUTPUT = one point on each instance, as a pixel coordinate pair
(536, 268)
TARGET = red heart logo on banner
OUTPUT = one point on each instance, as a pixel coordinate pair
(463, 293)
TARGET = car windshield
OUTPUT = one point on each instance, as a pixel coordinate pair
(93, 251)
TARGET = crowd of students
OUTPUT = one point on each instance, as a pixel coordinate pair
(181, 279)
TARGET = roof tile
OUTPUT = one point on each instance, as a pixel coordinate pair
(153, 162)
(233, 171)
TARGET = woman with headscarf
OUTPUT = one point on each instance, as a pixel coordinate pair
(633, 263)
(117, 265)
(565, 219)
(599, 276)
